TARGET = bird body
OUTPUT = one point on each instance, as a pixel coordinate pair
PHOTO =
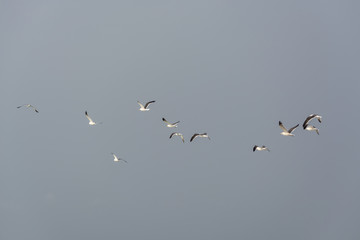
(311, 128)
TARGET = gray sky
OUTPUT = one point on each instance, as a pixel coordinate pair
(232, 69)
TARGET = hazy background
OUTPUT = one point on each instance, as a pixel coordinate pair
(232, 69)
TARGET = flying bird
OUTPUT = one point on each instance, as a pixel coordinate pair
(204, 135)
(91, 122)
(311, 128)
(256, 147)
(178, 134)
(116, 159)
(286, 132)
(29, 106)
(310, 117)
(145, 108)
(170, 125)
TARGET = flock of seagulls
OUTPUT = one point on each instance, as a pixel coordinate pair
(172, 125)
(145, 108)
(286, 132)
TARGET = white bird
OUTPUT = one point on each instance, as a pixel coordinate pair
(286, 132)
(310, 117)
(311, 128)
(204, 135)
(144, 108)
(116, 159)
(29, 106)
(178, 134)
(91, 122)
(170, 125)
(256, 147)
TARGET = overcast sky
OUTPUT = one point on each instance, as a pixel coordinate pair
(232, 69)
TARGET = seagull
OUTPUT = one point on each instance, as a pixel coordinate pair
(199, 135)
(144, 108)
(170, 125)
(91, 122)
(285, 131)
(116, 159)
(178, 134)
(309, 118)
(311, 128)
(29, 106)
(256, 147)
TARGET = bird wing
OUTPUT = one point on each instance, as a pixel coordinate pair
(34, 108)
(282, 127)
(194, 136)
(142, 106)
(254, 148)
(318, 118)
(172, 134)
(293, 128)
(175, 122)
(182, 138)
(86, 114)
(165, 121)
(308, 119)
(147, 104)
(267, 149)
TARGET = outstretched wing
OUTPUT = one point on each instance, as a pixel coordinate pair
(31, 106)
(293, 128)
(193, 137)
(147, 104)
(264, 147)
(182, 138)
(87, 116)
(122, 160)
(142, 106)
(172, 134)
(308, 119)
(165, 121)
(254, 148)
(282, 127)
